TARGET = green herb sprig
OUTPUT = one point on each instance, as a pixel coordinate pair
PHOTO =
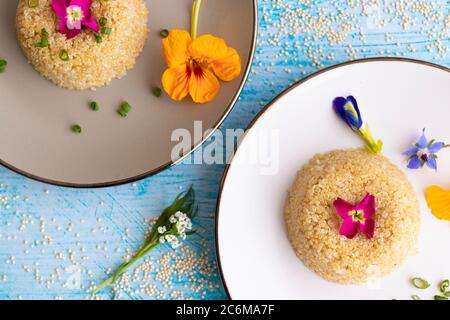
(94, 106)
(76, 128)
(420, 283)
(443, 286)
(124, 109)
(173, 224)
(64, 55)
(44, 39)
(33, 3)
(3, 64)
(157, 92)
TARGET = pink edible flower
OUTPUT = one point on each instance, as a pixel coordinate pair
(357, 217)
(73, 15)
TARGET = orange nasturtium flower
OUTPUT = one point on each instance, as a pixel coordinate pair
(438, 201)
(195, 64)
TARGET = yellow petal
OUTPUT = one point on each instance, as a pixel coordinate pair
(175, 82)
(229, 67)
(203, 85)
(438, 201)
(175, 47)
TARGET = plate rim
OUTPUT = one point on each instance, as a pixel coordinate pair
(267, 107)
(170, 163)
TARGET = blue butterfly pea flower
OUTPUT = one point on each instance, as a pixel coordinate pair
(347, 109)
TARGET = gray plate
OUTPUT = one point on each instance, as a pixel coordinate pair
(36, 116)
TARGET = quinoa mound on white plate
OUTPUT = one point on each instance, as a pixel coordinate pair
(313, 223)
(87, 62)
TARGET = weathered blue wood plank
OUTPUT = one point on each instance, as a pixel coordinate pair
(47, 233)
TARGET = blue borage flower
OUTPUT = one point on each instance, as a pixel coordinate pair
(347, 109)
(424, 152)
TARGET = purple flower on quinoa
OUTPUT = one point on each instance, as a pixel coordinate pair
(424, 152)
(347, 109)
(73, 15)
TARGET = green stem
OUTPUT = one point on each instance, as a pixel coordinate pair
(124, 266)
(194, 18)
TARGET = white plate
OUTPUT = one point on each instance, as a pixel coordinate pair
(35, 135)
(398, 98)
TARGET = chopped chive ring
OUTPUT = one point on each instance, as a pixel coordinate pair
(440, 298)
(447, 294)
(44, 39)
(164, 33)
(103, 21)
(122, 113)
(94, 105)
(157, 92)
(3, 64)
(64, 55)
(106, 31)
(125, 108)
(415, 297)
(444, 285)
(33, 3)
(420, 283)
(98, 38)
(76, 128)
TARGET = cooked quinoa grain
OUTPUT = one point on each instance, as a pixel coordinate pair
(313, 223)
(91, 64)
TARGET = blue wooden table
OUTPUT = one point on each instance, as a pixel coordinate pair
(55, 243)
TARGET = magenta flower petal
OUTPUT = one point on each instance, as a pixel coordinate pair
(367, 205)
(60, 7)
(343, 207)
(70, 33)
(368, 228)
(91, 24)
(349, 229)
(357, 217)
(72, 28)
(84, 4)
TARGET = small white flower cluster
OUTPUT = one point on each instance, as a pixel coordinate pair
(182, 223)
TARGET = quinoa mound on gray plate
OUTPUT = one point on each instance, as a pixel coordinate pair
(88, 63)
